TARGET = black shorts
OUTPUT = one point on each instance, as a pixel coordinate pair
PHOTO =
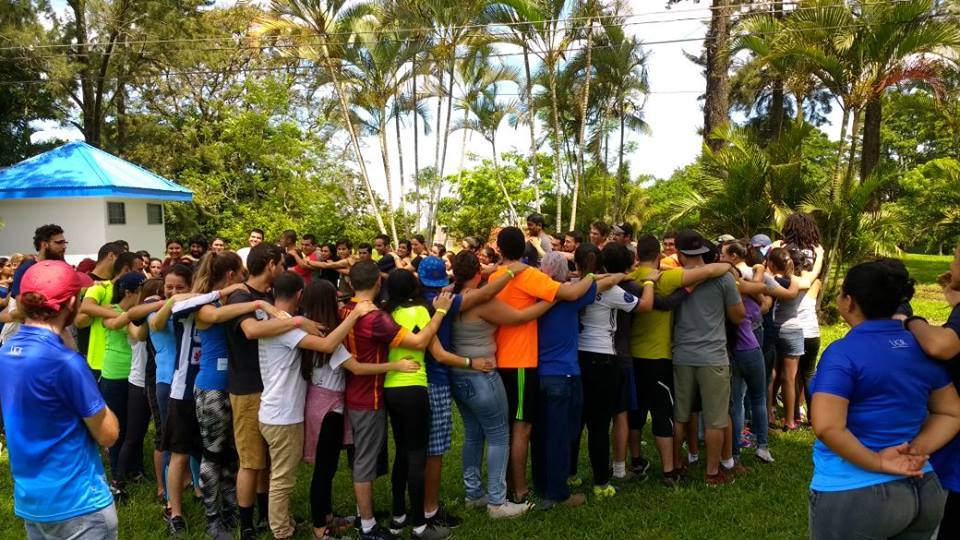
(654, 382)
(181, 431)
(523, 388)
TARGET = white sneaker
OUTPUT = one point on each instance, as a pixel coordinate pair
(693, 458)
(507, 510)
(476, 503)
(763, 454)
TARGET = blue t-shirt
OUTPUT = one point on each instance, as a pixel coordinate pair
(47, 390)
(214, 357)
(165, 347)
(439, 374)
(879, 367)
(558, 332)
(18, 276)
(946, 461)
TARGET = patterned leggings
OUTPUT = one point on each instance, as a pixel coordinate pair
(218, 468)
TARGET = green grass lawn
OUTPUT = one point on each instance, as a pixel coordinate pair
(769, 503)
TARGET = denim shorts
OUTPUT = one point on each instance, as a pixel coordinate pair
(441, 419)
(790, 342)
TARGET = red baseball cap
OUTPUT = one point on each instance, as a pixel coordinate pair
(55, 281)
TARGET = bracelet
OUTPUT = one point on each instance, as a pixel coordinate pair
(510, 273)
(648, 282)
(910, 319)
(169, 301)
(441, 311)
(591, 275)
(467, 363)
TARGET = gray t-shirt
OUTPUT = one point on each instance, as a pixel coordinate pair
(699, 334)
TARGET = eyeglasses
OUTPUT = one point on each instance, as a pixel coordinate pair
(61, 242)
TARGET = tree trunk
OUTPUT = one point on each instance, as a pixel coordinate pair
(778, 116)
(584, 101)
(839, 164)
(354, 140)
(839, 242)
(556, 141)
(514, 218)
(534, 173)
(717, 104)
(83, 57)
(121, 118)
(852, 157)
(870, 154)
(619, 194)
(416, 147)
(384, 154)
(396, 122)
(446, 130)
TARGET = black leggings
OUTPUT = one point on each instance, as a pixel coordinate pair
(808, 364)
(600, 374)
(329, 444)
(950, 525)
(409, 410)
(138, 420)
(654, 380)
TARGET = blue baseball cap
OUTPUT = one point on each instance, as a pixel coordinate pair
(130, 281)
(433, 272)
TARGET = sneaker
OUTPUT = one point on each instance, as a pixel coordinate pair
(119, 491)
(248, 534)
(671, 478)
(217, 531)
(444, 519)
(602, 492)
(738, 469)
(763, 454)
(575, 481)
(176, 526)
(627, 477)
(377, 533)
(527, 498)
(508, 510)
(747, 442)
(476, 503)
(641, 466)
(692, 459)
(397, 527)
(432, 532)
(719, 479)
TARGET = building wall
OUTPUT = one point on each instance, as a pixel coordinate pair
(84, 221)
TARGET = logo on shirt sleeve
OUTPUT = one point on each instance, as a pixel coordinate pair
(628, 298)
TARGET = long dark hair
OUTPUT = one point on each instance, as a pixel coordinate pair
(465, 267)
(319, 304)
(403, 290)
(802, 230)
(588, 259)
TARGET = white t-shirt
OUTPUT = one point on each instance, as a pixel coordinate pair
(243, 252)
(599, 320)
(284, 390)
(138, 363)
(329, 375)
(10, 328)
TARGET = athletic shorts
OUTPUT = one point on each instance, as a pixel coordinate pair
(628, 392)
(369, 436)
(522, 386)
(654, 382)
(712, 383)
(441, 419)
(251, 445)
(216, 425)
(181, 432)
(790, 342)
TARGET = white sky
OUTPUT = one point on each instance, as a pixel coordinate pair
(672, 111)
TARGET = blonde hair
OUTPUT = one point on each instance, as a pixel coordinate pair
(213, 267)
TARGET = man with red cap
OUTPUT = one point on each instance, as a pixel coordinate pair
(60, 419)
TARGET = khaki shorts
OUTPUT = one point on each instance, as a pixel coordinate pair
(251, 446)
(712, 383)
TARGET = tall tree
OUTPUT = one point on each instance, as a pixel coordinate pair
(716, 107)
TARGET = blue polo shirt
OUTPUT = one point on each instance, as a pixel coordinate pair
(946, 462)
(439, 374)
(47, 390)
(879, 367)
(558, 333)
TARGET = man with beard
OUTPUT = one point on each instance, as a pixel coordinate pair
(50, 244)
(60, 418)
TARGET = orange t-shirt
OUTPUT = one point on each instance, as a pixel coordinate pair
(517, 344)
(668, 262)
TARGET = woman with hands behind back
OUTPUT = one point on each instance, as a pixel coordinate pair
(880, 407)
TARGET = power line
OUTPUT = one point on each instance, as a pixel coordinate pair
(423, 30)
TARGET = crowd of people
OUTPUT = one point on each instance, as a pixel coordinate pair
(252, 361)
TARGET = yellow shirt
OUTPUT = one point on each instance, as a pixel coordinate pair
(651, 336)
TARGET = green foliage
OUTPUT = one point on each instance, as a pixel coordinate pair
(930, 203)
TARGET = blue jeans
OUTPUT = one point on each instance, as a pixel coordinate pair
(748, 376)
(482, 401)
(558, 422)
(98, 525)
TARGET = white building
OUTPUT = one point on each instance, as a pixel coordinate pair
(96, 197)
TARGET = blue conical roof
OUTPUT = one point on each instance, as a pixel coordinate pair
(78, 169)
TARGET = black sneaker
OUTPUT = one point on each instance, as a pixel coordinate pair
(377, 533)
(248, 534)
(640, 466)
(444, 519)
(119, 491)
(432, 532)
(397, 527)
(176, 526)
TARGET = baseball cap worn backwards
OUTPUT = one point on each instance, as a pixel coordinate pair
(433, 272)
(55, 282)
(690, 243)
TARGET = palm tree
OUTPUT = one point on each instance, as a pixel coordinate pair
(589, 9)
(488, 114)
(308, 25)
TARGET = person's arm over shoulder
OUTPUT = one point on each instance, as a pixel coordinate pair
(78, 389)
(541, 286)
(943, 422)
(939, 342)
